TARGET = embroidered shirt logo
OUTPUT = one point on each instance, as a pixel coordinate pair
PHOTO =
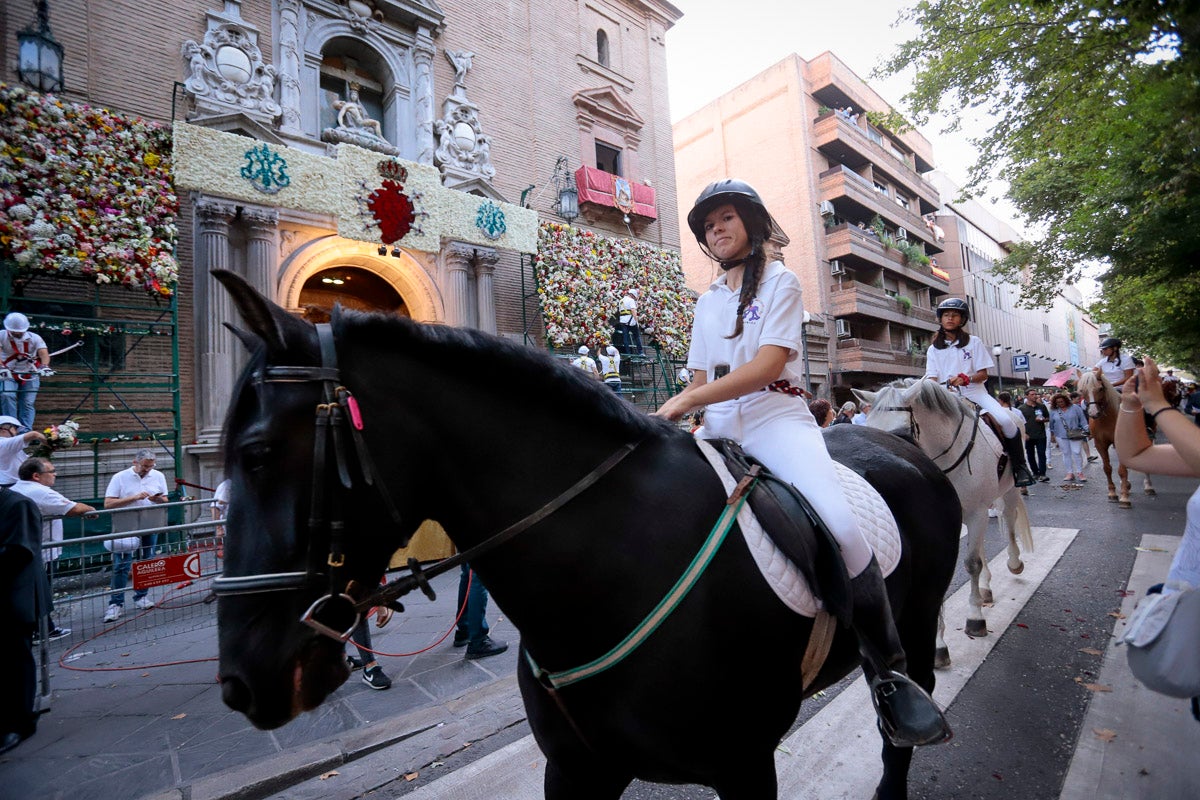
(753, 312)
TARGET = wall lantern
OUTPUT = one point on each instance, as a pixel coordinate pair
(567, 205)
(40, 57)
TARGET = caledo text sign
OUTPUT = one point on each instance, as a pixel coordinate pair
(165, 569)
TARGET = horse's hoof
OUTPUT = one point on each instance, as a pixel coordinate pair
(1018, 569)
(986, 597)
(1112, 498)
(1151, 493)
(976, 628)
(941, 658)
(1125, 504)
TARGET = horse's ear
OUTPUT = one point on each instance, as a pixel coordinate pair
(266, 320)
(864, 396)
(250, 341)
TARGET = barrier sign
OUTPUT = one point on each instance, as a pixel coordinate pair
(165, 569)
(1020, 363)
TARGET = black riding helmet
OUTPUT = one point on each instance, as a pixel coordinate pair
(758, 221)
(954, 304)
(1111, 341)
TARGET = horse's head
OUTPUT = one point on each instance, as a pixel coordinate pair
(910, 408)
(1098, 393)
(291, 473)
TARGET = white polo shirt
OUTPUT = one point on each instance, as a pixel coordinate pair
(1116, 372)
(775, 316)
(12, 454)
(127, 482)
(942, 365)
(50, 503)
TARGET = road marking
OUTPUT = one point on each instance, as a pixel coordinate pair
(838, 749)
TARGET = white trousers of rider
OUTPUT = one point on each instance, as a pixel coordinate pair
(779, 431)
(976, 393)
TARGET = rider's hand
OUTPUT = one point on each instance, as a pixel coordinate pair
(45, 372)
(675, 408)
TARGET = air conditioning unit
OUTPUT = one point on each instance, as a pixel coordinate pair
(837, 268)
(843, 329)
(901, 233)
(827, 209)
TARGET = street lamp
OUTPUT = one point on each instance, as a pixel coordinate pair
(567, 204)
(998, 351)
(804, 348)
(40, 57)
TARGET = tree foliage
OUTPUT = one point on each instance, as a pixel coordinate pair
(1097, 132)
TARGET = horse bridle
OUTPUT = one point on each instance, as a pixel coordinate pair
(914, 432)
(337, 413)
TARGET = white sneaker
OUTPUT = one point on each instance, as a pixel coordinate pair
(144, 603)
(114, 613)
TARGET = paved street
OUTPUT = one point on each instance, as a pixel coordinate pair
(1037, 713)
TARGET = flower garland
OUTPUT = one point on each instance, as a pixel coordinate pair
(582, 277)
(85, 191)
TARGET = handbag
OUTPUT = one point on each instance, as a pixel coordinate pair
(126, 544)
(1164, 643)
(1076, 433)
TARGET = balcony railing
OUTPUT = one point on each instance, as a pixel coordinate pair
(845, 240)
(832, 124)
(841, 181)
(867, 355)
(853, 297)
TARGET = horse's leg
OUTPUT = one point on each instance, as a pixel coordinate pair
(985, 584)
(941, 653)
(1112, 489)
(752, 780)
(976, 522)
(1123, 497)
(1147, 486)
(601, 783)
(1015, 519)
(894, 783)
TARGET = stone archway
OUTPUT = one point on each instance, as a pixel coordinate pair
(406, 274)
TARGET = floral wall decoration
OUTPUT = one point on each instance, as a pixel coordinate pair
(85, 191)
(582, 277)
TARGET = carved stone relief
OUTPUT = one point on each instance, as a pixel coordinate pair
(226, 73)
(356, 127)
(463, 150)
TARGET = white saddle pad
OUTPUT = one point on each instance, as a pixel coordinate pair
(874, 519)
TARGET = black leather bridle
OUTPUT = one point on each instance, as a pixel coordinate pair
(914, 433)
(338, 417)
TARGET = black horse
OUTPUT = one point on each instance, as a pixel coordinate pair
(480, 434)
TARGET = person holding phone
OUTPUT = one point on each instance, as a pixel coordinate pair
(140, 486)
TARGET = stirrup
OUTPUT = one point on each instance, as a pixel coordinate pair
(907, 715)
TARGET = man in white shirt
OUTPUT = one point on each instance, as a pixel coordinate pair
(861, 417)
(140, 486)
(12, 448)
(586, 362)
(629, 334)
(37, 477)
(24, 359)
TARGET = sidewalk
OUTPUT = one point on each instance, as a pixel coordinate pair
(163, 731)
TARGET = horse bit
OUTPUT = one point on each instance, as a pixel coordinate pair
(337, 411)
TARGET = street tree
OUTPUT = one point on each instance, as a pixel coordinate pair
(1096, 130)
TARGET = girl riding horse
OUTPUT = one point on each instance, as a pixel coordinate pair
(746, 334)
(958, 359)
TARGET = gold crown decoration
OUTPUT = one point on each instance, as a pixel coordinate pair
(393, 170)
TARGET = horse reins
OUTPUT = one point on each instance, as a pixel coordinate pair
(915, 432)
(339, 411)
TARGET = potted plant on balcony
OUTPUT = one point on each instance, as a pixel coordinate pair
(904, 303)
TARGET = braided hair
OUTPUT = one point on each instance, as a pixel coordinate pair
(758, 229)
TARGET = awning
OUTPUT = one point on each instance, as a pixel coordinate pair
(1060, 379)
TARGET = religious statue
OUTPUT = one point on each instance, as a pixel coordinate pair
(461, 61)
(353, 115)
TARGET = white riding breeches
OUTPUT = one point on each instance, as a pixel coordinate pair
(991, 406)
(779, 431)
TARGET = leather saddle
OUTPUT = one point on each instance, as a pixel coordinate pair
(795, 528)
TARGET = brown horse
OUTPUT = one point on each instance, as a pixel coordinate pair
(1103, 405)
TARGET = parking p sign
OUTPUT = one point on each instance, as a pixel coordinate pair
(1020, 363)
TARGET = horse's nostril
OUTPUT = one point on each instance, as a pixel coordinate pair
(235, 693)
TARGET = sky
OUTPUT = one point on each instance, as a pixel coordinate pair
(720, 44)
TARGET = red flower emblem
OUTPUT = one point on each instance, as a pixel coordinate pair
(393, 210)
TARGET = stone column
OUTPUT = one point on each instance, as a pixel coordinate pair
(485, 294)
(458, 264)
(214, 343)
(422, 95)
(289, 66)
(262, 248)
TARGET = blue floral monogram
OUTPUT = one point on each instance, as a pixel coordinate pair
(266, 170)
(490, 220)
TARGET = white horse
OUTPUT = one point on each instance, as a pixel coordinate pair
(949, 429)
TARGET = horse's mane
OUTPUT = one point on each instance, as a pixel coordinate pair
(1091, 383)
(497, 362)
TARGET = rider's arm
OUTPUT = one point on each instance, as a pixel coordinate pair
(1180, 457)
(980, 376)
(766, 366)
(43, 356)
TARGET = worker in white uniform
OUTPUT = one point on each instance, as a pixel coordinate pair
(586, 362)
(746, 338)
(956, 358)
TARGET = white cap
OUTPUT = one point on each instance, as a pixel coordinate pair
(583, 351)
(16, 322)
(7, 420)
(612, 351)
(635, 292)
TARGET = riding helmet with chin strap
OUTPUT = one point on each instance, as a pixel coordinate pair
(750, 206)
(1111, 341)
(954, 304)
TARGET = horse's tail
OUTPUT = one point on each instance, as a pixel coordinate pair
(1021, 526)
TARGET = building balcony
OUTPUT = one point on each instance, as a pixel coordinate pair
(845, 185)
(604, 190)
(852, 298)
(855, 146)
(867, 355)
(857, 249)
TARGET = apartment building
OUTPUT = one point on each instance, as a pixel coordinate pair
(851, 196)
(1029, 345)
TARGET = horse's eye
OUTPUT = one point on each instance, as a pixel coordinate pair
(255, 456)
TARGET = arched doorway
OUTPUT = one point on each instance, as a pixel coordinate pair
(353, 287)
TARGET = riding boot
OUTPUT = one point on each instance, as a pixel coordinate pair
(1015, 449)
(908, 716)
